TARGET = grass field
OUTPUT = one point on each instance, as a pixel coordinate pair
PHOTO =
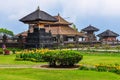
(93, 58)
(10, 60)
(38, 74)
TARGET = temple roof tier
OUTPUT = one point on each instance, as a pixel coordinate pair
(108, 33)
(61, 20)
(38, 15)
(90, 28)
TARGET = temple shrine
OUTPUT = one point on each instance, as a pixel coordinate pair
(108, 35)
(89, 31)
(37, 37)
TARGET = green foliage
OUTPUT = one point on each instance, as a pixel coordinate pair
(70, 45)
(118, 47)
(5, 31)
(102, 68)
(35, 57)
(97, 46)
(74, 27)
(81, 46)
(106, 47)
(64, 58)
(113, 69)
(83, 68)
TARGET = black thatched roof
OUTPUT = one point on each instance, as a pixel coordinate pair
(90, 28)
(108, 33)
(38, 15)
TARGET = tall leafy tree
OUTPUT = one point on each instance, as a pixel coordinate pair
(6, 31)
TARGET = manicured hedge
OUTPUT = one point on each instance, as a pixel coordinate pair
(63, 58)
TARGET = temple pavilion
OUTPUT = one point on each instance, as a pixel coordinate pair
(62, 29)
(56, 25)
(108, 35)
(89, 31)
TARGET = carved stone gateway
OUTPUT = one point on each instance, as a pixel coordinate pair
(39, 39)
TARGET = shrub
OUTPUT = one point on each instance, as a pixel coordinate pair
(112, 69)
(70, 45)
(6, 52)
(102, 68)
(63, 58)
(83, 68)
(35, 57)
(118, 71)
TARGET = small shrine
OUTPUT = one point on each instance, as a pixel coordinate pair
(108, 35)
(89, 31)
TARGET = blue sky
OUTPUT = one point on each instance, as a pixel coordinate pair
(103, 14)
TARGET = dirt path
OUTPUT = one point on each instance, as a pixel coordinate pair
(16, 66)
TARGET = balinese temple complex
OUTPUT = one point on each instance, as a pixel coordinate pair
(45, 29)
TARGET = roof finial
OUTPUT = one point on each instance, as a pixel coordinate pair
(58, 14)
(58, 17)
(89, 24)
(38, 8)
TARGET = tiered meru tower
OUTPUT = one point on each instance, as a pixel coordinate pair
(90, 33)
(37, 36)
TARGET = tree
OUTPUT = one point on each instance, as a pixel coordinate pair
(6, 31)
(74, 27)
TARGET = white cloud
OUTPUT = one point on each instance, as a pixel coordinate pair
(91, 7)
(19, 8)
(111, 7)
(75, 9)
(72, 8)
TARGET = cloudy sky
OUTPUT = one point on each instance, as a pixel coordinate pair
(103, 14)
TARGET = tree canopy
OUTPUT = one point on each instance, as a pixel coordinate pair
(74, 27)
(6, 31)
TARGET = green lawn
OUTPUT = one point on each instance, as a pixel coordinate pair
(92, 60)
(38, 74)
(10, 60)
